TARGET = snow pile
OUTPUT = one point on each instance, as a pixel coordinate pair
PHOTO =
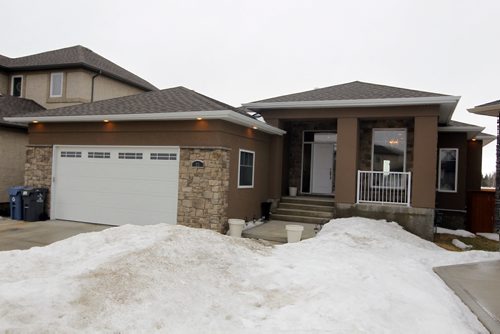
(358, 275)
(459, 244)
(460, 233)
(491, 236)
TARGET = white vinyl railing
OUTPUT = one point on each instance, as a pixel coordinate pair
(384, 187)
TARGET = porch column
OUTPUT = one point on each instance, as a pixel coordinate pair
(424, 162)
(346, 160)
(275, 166)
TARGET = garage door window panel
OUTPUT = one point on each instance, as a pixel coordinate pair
(130, 155)
(71, 154)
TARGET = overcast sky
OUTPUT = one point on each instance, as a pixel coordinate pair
(242, 51)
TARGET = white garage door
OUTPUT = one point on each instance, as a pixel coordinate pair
(116, 185)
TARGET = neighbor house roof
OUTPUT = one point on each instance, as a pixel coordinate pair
(488, 109)
(178, 103)
(14, 106)
(75, 56)
(359, 94)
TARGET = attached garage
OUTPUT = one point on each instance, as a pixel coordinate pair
(115, 185)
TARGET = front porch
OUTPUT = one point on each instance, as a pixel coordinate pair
(373, 167)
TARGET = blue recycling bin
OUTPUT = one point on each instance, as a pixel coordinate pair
(16, 202)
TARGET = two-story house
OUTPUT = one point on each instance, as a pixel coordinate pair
(49, 80)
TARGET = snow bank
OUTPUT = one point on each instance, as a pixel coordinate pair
(460, 233)
(459, 244)
(357, 276)
(491, 236)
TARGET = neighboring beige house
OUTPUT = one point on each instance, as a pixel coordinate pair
(49, 80)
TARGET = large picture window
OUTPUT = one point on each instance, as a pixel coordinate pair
(448, 169)
(246, 169)
(389, 150)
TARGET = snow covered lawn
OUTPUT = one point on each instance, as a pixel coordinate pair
(357, 276)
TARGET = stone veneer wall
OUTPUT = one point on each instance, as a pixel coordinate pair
(366, 135)
(38, 169)
(203, 192)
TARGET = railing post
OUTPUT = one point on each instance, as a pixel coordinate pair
(408, 200)
(358, 186)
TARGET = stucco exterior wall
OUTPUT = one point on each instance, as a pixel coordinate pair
(4, 83)
(241, 203)
(454, 200)
(12, 157)
(107, 88)
(77, 87)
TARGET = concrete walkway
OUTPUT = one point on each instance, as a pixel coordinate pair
(274, 230)
(478, 285)
(15, 234)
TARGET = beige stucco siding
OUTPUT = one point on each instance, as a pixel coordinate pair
(77, 87)
(13, 155)
(107, 88)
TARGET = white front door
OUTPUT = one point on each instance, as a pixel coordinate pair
(322, 168)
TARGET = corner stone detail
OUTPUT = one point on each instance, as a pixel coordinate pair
(203, 192)
(38, 168)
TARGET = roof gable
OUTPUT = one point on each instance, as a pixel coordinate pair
(75, 56)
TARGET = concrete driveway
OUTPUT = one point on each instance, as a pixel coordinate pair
(478, 285)
(15, 234)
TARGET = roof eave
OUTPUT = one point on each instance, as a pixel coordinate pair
(486, 138)
(447, 104)
(226, 115)
(472, 131)
(491, 110)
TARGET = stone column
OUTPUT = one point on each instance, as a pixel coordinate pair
(347, 160)
(424, 162)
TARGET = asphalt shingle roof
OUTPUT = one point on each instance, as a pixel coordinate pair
(177, 99)
(74, 56)
(15, 106)
(355, 90)
(489, 104)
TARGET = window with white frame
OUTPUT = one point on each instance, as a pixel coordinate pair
(389, 150)
(448, 169)
(56, 84)
(246, 169)
(16, 85)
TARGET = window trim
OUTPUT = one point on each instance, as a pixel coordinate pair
(51, 94)
(439, 170)
(239, 169)
(12, 84)
(390, 129)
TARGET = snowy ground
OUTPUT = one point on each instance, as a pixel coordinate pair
(357, 276)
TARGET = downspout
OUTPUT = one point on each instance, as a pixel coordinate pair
(92, 91)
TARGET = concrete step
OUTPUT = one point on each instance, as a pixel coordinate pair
(320, 201)
(303, 213)
(310, 207)
(299, 219)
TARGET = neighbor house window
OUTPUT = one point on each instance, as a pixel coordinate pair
(246, 169)
(448, 169)
(56, 84)
(16, 85)
(389, 150)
